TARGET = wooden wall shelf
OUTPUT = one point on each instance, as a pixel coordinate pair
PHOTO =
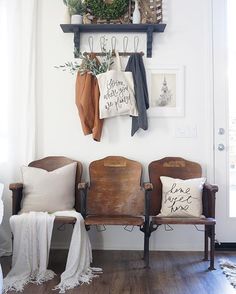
(149, 29)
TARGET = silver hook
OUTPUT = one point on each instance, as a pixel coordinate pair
(125, 44)
(90, 42)
(102, 43)
(136, 42)
(113, 43)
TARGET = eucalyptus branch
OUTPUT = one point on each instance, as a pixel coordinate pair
(88, 65)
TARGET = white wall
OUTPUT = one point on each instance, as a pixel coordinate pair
(185, 42)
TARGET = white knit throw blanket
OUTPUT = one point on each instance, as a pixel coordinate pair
(32, 237)
(229, 269)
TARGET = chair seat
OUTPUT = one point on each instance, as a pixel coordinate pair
(182, 220)
(65, 219)
(114, 220)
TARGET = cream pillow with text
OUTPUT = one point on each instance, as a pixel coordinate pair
(181, 198)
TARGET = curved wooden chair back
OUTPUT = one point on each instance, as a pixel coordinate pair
(51, 163)
(115, 187)
(174, 167)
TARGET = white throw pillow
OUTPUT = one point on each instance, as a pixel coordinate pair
(48, 191)
(181, 198)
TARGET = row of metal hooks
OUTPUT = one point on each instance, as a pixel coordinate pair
(103, 43)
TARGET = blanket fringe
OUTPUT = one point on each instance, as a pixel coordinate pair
(85, 277)
(10, 283)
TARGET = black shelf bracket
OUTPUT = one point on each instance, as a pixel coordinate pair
(149, 41)
(149, 29)
(76, 43)
(77, 39)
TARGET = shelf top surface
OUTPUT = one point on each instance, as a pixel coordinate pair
(72, 28)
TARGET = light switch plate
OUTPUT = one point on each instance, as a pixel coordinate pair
(186, 132)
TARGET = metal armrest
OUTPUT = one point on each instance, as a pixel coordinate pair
(83, 187)
(17, 194)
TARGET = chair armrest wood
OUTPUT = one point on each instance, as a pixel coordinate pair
(15, 186)
(17, 194)
(148, 186)
(83, 187)
(211, 188)
(209, 196)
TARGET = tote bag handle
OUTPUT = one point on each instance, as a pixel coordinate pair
(118, 62)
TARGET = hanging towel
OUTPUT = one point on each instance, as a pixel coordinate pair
(117, 92)
(136, 66)
(32, 237)
(87, 102)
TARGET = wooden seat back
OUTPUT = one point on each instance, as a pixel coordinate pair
(174, 167)
(115, 187)
(51, 163)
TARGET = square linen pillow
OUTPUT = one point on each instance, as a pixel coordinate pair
(181, 198)
(48, 191)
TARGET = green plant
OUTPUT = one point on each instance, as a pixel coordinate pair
(75, 6)
(103, 10)
(88, 65)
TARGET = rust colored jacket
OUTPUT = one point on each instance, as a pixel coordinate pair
(87, 102)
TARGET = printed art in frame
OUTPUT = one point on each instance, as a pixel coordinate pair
(166, 91)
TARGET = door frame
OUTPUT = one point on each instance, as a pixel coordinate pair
(224, 223)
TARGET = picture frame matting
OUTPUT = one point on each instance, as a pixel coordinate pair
(166, 91)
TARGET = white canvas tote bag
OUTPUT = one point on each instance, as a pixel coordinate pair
(116, 93)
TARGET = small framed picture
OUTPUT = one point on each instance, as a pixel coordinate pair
(166, 91)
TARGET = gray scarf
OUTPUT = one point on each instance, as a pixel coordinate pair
(136, 66)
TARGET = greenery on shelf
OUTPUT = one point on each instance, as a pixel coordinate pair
(75, 6)
(101, 9)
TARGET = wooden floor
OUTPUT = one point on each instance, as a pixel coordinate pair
(170, 273)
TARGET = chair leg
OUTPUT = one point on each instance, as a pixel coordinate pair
(212, 244)
(206, 243)
(147, 233)
(146, 249)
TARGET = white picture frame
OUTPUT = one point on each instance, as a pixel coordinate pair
(166, 91)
